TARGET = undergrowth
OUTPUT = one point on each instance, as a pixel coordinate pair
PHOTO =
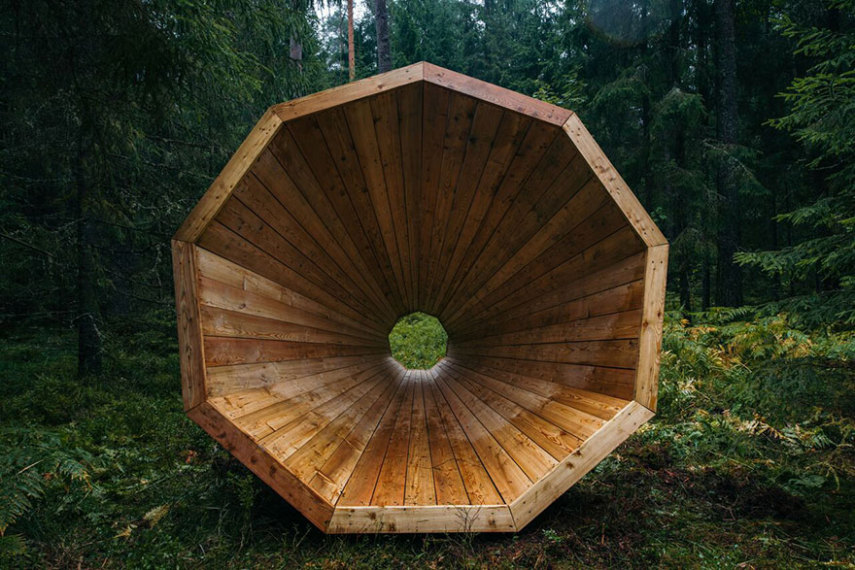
(749, 463)
(418, 341)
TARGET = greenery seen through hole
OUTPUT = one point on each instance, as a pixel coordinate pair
(418, 341)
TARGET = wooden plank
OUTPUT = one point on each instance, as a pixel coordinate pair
(190, 344)
(223, 380)
(363, 480)
(236, 168)
(336, 132)
(613, 283)
(384, 110)
(486, 121)
(330, 479)
(349, 92)
(603, 253)
(476, 480)
(617, 299)
(223, 351)
(330, 258)
(598, 446)
(504, 472)
(308, 459)
(611, 326)
(496, 95)
(410, 111)
(221, 322)
(461, 110)
(544, 252)
(510, 135)
(222, 241)
(650, 343)
(531, 458)
(594, 403)
(337, 172)
(538, 199)
(551, 438)
(215, 268)
(360, 121)
(419, 489)
(309, 503)
(437, 519)
(448, 481)
(613, 183)
(265, 422)
(436, 102)
(573, 421)
(334, 234)
(569, 229)
(288, 439)
(391, 484)
(611, 353)
(306, 276)
(615, 382)
(536, 155)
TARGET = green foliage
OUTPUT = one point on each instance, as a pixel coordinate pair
(822, 117)
(418, 341)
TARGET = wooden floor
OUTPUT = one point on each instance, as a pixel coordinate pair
(375, 434)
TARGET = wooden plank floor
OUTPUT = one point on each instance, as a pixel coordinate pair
(372, 434)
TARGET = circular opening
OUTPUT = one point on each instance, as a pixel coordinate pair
(418, 341)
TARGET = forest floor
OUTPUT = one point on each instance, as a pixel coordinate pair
(749, 463)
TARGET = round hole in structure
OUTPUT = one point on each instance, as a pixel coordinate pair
(418, 341)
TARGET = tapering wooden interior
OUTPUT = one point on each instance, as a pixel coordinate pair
(419, 190)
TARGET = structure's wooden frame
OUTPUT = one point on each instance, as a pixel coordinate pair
(286, 286)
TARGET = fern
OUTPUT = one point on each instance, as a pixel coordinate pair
(37, 458)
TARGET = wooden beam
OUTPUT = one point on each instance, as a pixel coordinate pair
(248, 452)
(496, 95)
(438, 518)
(545, 491)
(190, 342)
(602, 167)
(652, 314)
(214, 199)
(349, 92)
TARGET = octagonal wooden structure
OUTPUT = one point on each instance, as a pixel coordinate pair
(419, 189)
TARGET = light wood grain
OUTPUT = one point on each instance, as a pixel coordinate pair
(419, 190)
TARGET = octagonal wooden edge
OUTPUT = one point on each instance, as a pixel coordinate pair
(481, 518)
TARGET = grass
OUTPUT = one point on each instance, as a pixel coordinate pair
(418, 341)
(749, 463)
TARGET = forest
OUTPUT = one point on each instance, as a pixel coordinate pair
(733, 121)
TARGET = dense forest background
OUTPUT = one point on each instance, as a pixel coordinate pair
(733, 122)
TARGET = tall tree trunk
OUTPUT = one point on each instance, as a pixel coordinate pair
(729, 282)
(381, 21)
(295, 43)
(706, 288)
(351, 51)
(88, 314)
